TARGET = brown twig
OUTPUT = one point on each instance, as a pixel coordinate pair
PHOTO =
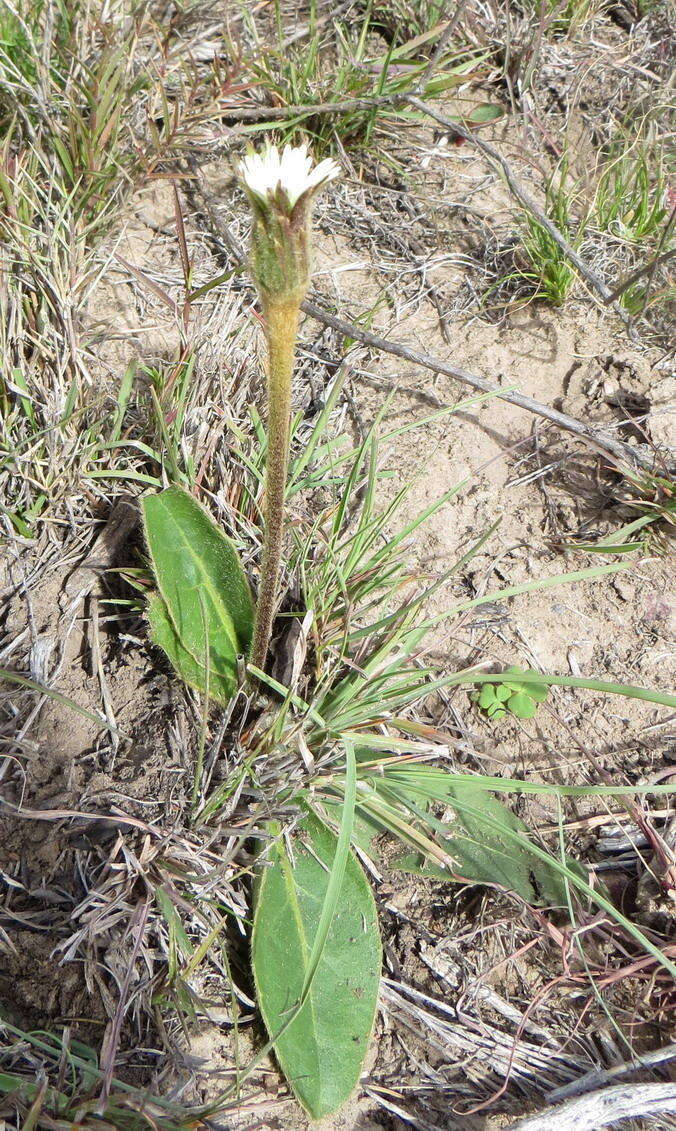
(648, 268)
(518, 191)
(607, 445)
(280, 113)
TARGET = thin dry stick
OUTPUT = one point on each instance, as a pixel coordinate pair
(441, 45)
(607, 445)
(650, 268)
(600, 1109)
(516, 189)
(647, 269)
(280, 113)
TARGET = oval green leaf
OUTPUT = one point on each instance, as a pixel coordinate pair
(486, 112)
(202, 615)
(321, 1045)
(489, 844)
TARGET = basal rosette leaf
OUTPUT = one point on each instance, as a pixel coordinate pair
(202, 614)
(322, 1048)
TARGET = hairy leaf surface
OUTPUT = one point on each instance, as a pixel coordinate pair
(203, 607)
(490, 844)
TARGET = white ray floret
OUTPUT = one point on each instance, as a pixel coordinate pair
(292, 171)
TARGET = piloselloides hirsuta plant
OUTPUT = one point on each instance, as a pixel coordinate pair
(202, 614)
(281, 190)
(316, 949)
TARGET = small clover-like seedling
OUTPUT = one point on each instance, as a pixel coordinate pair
(518, 697)
(492, 699)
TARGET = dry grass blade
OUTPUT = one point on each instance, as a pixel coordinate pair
(602, 1109)
(593, 1080)
(486, 1052)
(111, 1040)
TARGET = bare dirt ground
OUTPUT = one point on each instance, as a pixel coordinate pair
(485, 1006)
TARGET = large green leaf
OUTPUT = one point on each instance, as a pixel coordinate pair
(203, 606)
(321, 1047)
(490, 844)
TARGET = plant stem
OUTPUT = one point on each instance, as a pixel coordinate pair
(281, 329)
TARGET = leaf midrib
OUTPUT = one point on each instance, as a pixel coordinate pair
(220, 607)
(292, 892)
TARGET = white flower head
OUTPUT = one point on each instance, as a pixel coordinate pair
(281, 188)
(271, 177)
